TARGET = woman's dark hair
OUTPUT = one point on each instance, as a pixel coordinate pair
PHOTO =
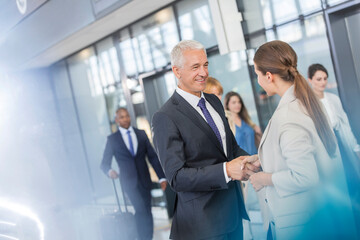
(279, 58)
(243, 114)
(313, 68)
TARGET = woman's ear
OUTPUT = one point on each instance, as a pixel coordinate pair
(269, 77)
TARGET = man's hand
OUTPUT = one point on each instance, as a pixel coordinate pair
(113, 174)
(235, 172)
(163, 185)
(260, 180)
(251, 163)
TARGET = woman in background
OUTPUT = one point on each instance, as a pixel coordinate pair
(247, 134)
(349, 148)
(298, 153)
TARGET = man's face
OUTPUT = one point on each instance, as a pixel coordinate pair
(194, 72)
(123, 119)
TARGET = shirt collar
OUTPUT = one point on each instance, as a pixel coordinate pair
(190, 98)
(123, 131)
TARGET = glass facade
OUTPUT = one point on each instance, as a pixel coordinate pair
(131, 68)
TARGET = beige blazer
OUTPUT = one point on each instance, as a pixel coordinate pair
(293, 152)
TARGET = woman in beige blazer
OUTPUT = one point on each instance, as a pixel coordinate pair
(298, 150)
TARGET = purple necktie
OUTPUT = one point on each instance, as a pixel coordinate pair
(209, 119)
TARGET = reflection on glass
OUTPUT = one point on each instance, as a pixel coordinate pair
(145, 52)
(170, 82)
(315, 26)
(187, 31)
(309, 5)
(154, 37)
(92, 72)
(284, 10)
(196, 22)
(114, 64)
(290, 32)
(128, 57)
(334, 2)
(267, 13)
(159, 54)
(270, 35)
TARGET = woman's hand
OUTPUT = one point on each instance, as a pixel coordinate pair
(252, 163)
(260, 180)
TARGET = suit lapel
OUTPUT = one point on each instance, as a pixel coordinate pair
(225, 122)
(121, 142)
(185, 108)
(137, 133)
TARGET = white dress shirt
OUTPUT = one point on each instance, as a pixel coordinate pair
(125, 137)
(193, 101)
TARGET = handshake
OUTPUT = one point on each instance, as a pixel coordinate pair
(243, 167)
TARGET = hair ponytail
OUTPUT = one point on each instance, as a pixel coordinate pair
(307, 97)
(279, 58)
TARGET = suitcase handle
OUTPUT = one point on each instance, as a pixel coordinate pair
(117, 196)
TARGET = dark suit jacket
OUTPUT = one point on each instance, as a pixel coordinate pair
(192, 159)
(133, 170)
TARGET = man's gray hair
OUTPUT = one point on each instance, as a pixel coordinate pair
(177, 51)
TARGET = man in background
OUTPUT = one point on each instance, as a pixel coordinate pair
(130, 146)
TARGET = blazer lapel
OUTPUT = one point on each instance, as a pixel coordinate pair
(184, 107)
(265, 133)
(285, 99)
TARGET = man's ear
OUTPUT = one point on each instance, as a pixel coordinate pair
(176, 71)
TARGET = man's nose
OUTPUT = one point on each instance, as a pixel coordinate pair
(203, 71)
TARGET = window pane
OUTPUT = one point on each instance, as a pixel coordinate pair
(91, 109)
(108, 62)
(196, 22)
(127, 53)
(290, 32)
(284, 10)
(153, 39)
(308, 6)
(334, 2)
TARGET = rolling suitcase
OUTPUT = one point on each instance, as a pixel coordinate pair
(119, 225)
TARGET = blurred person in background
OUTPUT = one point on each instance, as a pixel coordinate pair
(130, 146)
(349, 148)
(247, 136)
(213, 86)
(247, 133)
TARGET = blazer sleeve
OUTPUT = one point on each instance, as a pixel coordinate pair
(153, 158)
(170, 148)
(343, 129)
(107, 157)
(299, 154)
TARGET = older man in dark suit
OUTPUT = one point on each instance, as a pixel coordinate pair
(199, 153)
(130, 146)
